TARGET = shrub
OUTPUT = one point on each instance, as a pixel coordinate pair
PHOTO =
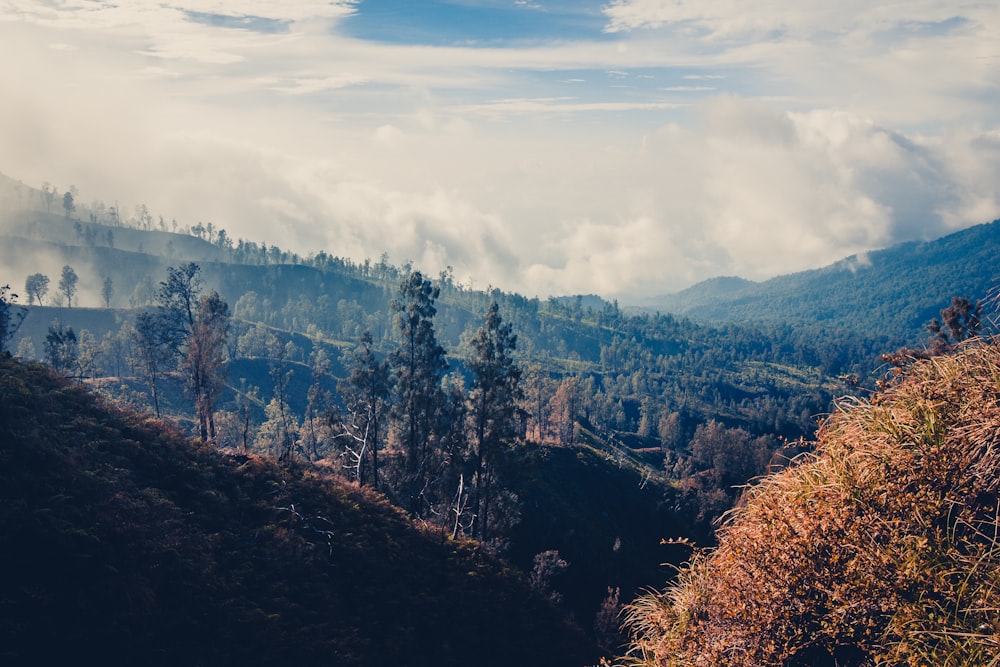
(881, 547)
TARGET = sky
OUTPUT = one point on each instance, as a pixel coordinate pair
(626, 148)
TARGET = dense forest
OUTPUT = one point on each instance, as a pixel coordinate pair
(567, 436)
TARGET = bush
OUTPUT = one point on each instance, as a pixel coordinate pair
(879, 548)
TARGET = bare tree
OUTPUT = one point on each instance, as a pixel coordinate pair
(48, 195)
(366, 393)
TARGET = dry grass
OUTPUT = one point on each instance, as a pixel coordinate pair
(881, 548)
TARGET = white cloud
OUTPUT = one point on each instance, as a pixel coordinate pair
(287, 10)
(558, 105)
(688, 89)
(169, 29)
(855, 130)
(719, 19)
(308, 86)
(101, 15)
(388, 135)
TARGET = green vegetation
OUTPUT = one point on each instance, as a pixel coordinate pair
(885, 296)
(880, 548)
(567, 435)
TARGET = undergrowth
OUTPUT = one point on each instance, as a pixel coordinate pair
(880, 548)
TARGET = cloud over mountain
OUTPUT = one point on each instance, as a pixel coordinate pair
(624, 149)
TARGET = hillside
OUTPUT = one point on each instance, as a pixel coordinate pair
(631, 427)
(125, 543)
(882, 548)
(892, 292)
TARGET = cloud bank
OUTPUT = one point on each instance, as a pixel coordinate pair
(678, 142)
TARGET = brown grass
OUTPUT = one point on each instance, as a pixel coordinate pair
(881, 548)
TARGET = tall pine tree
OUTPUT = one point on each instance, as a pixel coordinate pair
(493, 411)
(419, 365)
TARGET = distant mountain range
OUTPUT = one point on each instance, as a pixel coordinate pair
(891, 292)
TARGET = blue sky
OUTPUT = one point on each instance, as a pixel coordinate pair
(625, 147)
(502, 23)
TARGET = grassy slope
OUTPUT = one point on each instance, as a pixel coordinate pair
(125, 543)
(881, 549)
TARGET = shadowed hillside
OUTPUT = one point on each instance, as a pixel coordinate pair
(125, 543)
(882, 548)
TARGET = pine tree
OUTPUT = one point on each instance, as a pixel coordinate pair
(496, 391)
(419, 365)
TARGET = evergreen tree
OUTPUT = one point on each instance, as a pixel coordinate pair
(419, 365)
(493, 411)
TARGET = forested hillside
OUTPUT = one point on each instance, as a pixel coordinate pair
(883, 295)
(567, 436)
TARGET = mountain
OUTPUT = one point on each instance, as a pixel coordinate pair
(632, 427)
(694, 298)
(126, 543)
(891, 292)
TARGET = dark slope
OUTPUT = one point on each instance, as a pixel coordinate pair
(893, 292)
(124, 543)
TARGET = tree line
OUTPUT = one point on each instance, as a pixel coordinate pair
(407, 426)
(433, 438)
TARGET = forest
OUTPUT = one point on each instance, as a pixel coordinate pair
(582, 442)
